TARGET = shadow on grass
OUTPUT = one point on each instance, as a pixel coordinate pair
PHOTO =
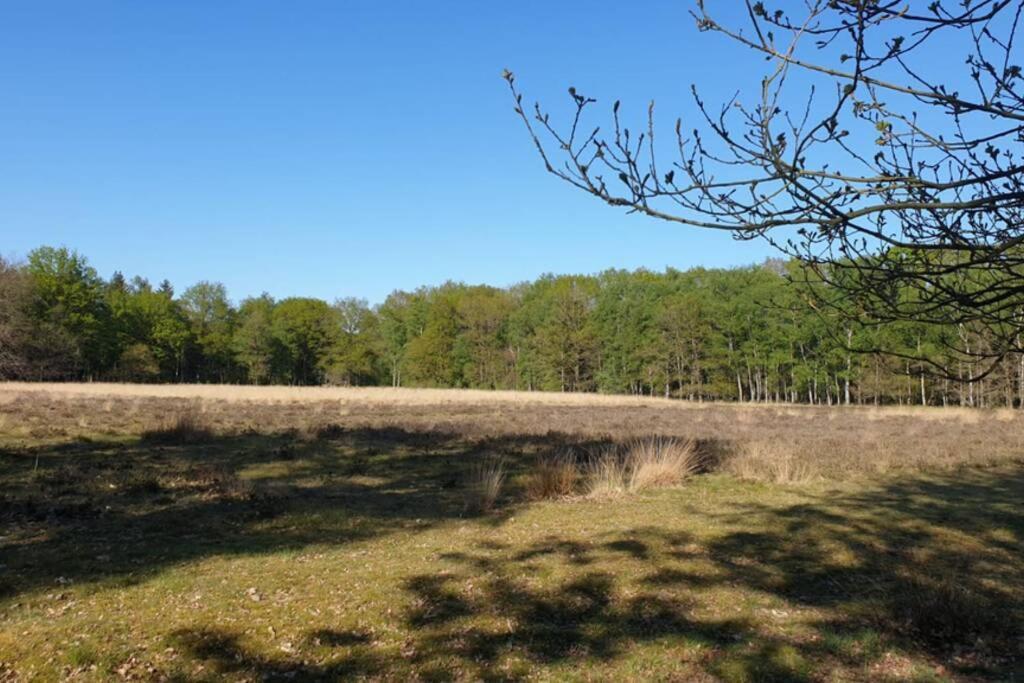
(876, 570)
(223, 653)
(89, 511)
(880, 565)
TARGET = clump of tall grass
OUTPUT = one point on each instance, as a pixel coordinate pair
(605, 474)
(553, 476)
(659, 462)
(774, 462)
(641, 464)
(483, 485)
(186, 427)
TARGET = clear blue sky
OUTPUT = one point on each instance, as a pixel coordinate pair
(329, 147)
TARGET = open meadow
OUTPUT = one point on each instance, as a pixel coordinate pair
(179, 532)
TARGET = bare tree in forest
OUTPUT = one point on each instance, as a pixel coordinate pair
(896, 180)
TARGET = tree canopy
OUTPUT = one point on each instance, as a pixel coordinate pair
(890, 170)
(740, 334)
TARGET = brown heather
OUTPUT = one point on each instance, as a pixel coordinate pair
(773, 443)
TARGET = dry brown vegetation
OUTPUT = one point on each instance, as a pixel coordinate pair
(184, 427)
(553, 476)
(638, 465)
(483, 485)
(611, 469)
(772, 443)
(658, 462)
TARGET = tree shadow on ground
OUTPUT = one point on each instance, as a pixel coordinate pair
(892, 560)
(88, 511)
(929, 568)
(225, 655)
(939, 561)
(874, 575)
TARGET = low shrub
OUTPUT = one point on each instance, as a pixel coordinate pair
(329, 431)
(217, 481)
(266, 502)
(140, 483)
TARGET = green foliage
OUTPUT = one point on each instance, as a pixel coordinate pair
(254, 343)
(154, 320)
(430, 355)
(212, 322)
(354, 359)
(68, 294)
(745, 334)
(30, 347)
(137, 363)
(565, 338)
(308, 330)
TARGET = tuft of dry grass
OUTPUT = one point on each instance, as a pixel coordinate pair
(659, 462)
(553, 476)
(605, 473)
(187, 427)
(483, 485)
(641, 464)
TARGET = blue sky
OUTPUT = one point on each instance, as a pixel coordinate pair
(333, 148)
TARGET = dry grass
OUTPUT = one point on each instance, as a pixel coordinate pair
(773, 443)
(606, 473)
(775, 462)
(352, 395)
(186, 427)
(639, 465)
(659, 462)
(553, 476)
(484, 484)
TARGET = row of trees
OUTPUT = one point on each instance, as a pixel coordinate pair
(739, 334)
(60, 320)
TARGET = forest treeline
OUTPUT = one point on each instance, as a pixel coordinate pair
(734, 334)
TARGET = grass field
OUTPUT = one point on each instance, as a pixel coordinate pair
(210, 533)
